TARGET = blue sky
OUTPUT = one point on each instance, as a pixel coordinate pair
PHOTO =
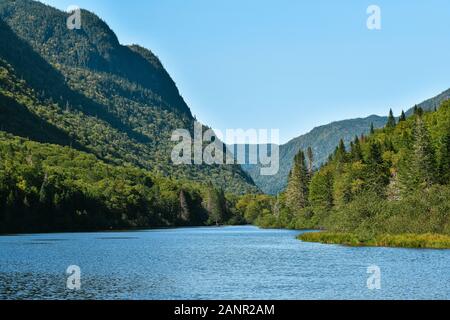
(289, 64)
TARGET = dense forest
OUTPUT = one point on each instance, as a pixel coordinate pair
(393, 182)
(45, 187)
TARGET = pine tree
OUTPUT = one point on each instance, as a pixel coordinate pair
(444, 159)
(356, 151)
(372, 129)
(375, 156)
(297, 189)
(377, 172)
(402, 117)
(424, 161)
(391, 120)
(341, 152)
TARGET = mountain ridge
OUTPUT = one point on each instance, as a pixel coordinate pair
(114, 101)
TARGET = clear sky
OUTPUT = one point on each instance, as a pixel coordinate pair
(289, 64)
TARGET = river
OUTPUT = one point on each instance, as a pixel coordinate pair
(213, 263)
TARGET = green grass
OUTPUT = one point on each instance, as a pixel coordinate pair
(429, 241)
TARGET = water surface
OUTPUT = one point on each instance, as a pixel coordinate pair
(213, 263)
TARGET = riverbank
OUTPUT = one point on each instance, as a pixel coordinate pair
(420, 241)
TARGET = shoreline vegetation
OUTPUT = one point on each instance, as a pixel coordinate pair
(411, 241)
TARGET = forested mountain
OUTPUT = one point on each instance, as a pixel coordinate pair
(323, 140)
(82, 88)
(391, 187)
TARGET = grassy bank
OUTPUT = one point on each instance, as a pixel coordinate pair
(429, 241)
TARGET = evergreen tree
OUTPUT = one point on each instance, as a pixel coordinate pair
(391, 120)
(444, 159)
(341, 152)
(424, 161)
(376, 174)
(402, 116)
(375, 156)
(372, 129)
(297, 189)
(356, 151)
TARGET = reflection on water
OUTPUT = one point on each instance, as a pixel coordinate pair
(213, 263)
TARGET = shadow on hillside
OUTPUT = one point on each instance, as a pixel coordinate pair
(43, 78)
(18, 120)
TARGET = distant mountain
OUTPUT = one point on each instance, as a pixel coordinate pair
(84, 89)
(323, 140)
(431, 104)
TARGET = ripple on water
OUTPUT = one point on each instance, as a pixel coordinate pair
(213, 263)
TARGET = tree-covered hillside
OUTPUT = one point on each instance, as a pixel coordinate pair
(385, 187)
(83, 88)
(45, 187)
(322, 140)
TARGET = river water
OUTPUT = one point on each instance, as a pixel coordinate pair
(214, 263)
